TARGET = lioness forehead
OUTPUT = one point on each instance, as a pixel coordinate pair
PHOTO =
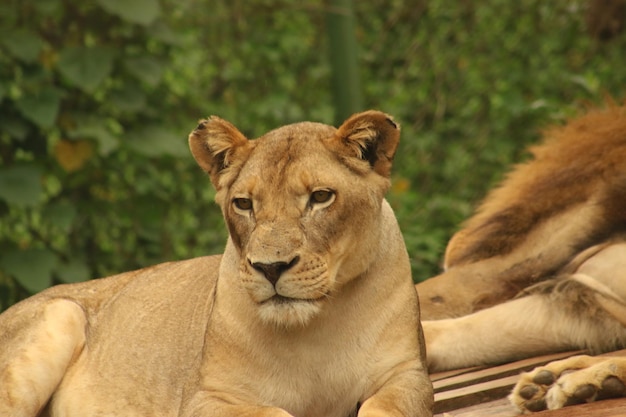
(292, 150)
(293, 139)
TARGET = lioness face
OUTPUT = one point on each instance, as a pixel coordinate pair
(285, 220)
(292, 222)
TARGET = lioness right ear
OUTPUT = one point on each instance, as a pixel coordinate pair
(372, 137)
(219, 148)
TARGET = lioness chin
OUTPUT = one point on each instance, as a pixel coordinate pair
(310, 311)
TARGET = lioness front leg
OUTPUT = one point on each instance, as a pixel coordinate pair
(570, 381)
(39, 339)
(406, 393)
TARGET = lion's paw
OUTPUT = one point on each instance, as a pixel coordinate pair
(530, 391)
(571, 381)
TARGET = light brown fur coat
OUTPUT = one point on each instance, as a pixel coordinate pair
(310, 311)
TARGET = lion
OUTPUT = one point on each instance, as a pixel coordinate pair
(541, 268)
(310, 311)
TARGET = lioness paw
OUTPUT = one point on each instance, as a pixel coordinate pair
(571, 381)
(530, 392)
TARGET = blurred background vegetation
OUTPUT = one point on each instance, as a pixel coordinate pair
(97, 99)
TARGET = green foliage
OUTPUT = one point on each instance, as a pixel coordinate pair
(473, 83)
(96, 100)
(142, 12)
(95, 177)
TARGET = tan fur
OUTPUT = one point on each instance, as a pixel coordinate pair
(311, 310)
(571, 191)
(541, 267)
(570, 381)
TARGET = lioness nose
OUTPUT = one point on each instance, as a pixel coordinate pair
(273, 271)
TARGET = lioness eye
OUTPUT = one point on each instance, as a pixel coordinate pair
(321, 196)
(243, 203)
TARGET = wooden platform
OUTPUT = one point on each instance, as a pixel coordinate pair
(482, 392)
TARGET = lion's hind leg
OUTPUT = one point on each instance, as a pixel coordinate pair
(570, 381)
(39, 339)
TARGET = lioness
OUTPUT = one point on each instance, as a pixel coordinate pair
(541, 268)
(310, 311)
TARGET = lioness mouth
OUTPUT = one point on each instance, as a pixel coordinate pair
(278, 299)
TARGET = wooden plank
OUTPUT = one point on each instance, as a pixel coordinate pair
(482, 392)
(502, 408)
(615, 353)
(488, 374)
(604, 408)
(496, 408)
(454, 372)
(474, 394)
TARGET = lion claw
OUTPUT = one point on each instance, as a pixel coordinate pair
(528, 392)
(544, 378)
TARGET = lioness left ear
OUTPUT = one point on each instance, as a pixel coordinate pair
(219, 148)
(370, 136)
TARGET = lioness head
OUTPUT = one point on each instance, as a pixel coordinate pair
(302, 204)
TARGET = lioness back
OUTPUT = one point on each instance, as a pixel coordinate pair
(144, 331)
(311, 310)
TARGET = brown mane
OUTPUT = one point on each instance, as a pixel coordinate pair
(583, 162)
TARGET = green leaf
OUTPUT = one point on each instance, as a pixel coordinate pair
(8, 11)
(154, 141)
(61, 215)
(146, 69)
(73, 271)
(4, 208)
(130, 99)
(86, 67)
(32, 268)
(16, 127)
(97, 130)
(41, 107)
(162, 32)
(588, 81)
(142, 12)
(20, 185)
(48, 7)
(22, 44)
(150, 212)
